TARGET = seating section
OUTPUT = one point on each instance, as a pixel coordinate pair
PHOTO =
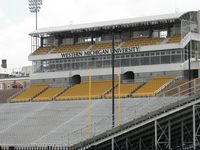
(42, 50)
(175, 39)
(30, 93)
(81, 91)
(5, 94)
(71, 48)
(99, 46)
(125, 90)
(152, 87)
(49, 94)
(99, 89)
(142, 42)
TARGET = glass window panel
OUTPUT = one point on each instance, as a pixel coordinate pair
(155, 60)
(135, 61)
(165, 59)
(124, 62)
(145, 61)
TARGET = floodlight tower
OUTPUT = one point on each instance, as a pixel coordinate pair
(34, 7)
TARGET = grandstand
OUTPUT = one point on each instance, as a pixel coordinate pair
(124, 90)
(152, 87)
(30, 93)
(98, 89)
(68, 102)
(49, 94)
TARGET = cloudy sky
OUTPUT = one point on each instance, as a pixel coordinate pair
(16, 22)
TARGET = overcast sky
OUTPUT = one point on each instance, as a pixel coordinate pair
(16, 22)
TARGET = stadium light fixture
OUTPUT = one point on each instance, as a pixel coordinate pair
(34, 7)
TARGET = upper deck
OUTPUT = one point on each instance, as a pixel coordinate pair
(153, 40)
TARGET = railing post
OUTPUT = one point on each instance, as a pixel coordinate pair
(179, 91)
(68, 139)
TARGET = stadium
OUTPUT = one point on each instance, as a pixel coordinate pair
(130, 84)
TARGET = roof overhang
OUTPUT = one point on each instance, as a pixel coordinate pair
(147, 20)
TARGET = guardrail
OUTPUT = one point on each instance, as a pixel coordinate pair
(188, 88)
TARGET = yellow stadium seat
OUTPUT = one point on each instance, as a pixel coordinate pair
(99, 46)
(125, 90)
(30, 93)
(49, 94)
(81, 91)
(143, 41)
(71, 48)
(175, 39)
(42, 50)
(152, 87)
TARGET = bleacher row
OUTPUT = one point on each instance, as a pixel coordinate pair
(99, 90)
(143, 41)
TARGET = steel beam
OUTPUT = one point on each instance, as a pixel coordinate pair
(156, 135)
(194, 127)
(169, 134)
(113, 144)
(182, 133)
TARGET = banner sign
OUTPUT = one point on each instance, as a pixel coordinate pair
(99, 52)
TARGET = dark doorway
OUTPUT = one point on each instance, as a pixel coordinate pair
(11, 148)
(76, 79)
(129, 75)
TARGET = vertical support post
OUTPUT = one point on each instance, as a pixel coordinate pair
(89, 105)
(113, 78)
(155, 134)
(189, 64)
(182, 134)
(36, 7)
(140, 144)
(169, 134)
(113, 144)
(194, 127)
(195, 86)
(92, 39)
(119, 95)
(68, 140)
(179, 91)
(126, 143)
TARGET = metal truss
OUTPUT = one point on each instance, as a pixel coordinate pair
(162, 135)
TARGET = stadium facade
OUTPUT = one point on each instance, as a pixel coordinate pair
(146, 47)
(67, 105)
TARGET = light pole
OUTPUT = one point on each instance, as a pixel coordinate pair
(34, 7)
(113, 78)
